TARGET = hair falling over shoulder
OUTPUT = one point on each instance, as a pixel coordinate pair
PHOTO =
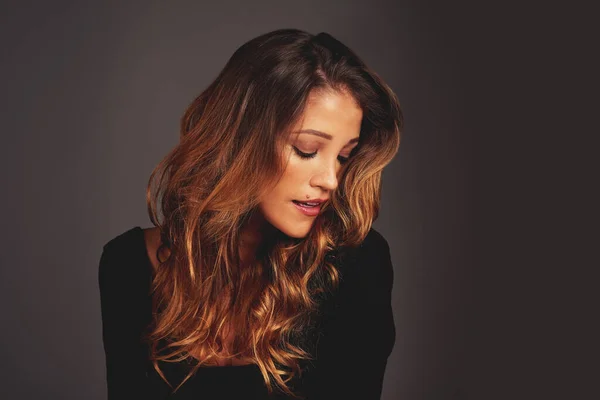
(210, 183)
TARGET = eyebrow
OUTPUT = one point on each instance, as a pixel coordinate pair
(323, 134)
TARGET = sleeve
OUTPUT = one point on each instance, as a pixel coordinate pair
(358, 338)
(122, 305)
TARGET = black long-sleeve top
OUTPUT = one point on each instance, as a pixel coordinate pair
(354, 337)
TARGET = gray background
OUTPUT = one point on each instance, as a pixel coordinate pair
(92, 96)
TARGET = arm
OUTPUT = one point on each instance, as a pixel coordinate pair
(360, 333)
(122, 302)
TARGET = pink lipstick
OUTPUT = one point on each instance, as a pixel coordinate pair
(308, 208)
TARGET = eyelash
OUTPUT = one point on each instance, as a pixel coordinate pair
(342, 160)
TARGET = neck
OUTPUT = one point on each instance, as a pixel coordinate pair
(253, 233)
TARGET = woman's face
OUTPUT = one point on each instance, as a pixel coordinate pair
(325, 136)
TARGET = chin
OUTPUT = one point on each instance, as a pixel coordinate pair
(288, 227)
(284, 221)
(297, 231)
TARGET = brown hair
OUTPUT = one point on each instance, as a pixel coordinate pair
(210, 184)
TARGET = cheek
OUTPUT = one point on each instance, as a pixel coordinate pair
(292, 185)
(277, 206)
(294, 180)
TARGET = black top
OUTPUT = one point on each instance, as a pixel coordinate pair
(355, 335)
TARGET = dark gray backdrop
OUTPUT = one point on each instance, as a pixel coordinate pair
(92, 96)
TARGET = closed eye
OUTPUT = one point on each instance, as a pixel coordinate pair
(303, 155)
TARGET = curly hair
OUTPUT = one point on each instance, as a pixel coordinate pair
(209, 186)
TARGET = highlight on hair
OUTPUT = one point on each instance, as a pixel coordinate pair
(210, 184)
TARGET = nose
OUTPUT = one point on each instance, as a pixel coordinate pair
(326, 177)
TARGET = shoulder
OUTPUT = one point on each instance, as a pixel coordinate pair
(370, 263)
(374, 242)
(373, 249)
(152, 241)
(123, 241)
(122, 259)
(124, 282)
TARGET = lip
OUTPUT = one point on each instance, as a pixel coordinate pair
(320, 201)
(311, 212)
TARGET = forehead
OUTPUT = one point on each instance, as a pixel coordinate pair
(334, 112)
(332, 103)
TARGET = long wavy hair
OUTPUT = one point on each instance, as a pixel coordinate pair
(209, 185)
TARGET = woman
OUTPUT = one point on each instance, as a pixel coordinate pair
(262, 277)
